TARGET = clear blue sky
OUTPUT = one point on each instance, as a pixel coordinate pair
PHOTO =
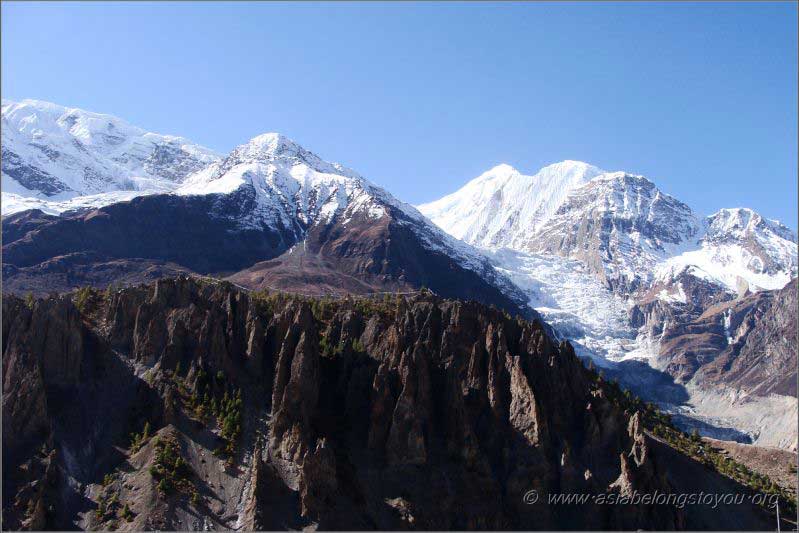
(421, 98)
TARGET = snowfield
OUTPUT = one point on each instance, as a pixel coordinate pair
(55, 154)
(738, 245)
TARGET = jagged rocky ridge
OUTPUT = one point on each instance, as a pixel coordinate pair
(738, 361)
(403, 413)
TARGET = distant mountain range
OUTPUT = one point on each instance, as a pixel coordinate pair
(624, 271)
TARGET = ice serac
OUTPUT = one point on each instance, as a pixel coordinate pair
(52, 154)
(503, 207)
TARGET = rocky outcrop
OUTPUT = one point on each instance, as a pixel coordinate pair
(746, 344)
(360, 255)
(762, 357)
(390, 413)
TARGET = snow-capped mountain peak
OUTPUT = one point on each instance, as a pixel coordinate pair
(620, 224)
(284, 183)
(741, 222)
(501, 206)
(570, 169)
(738, 249)
(276, 148)
(38, 119)
(272, 181)
(268, 153)
(271, 141)
(57, 153)
(270, 146)
(493, 177)
(499, 171)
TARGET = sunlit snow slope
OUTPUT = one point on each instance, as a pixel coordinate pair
(502, 207)
(738, 247)
(52, 155)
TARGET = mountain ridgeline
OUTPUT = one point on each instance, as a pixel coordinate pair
(188, 404)
(143, 393)
(270, 214)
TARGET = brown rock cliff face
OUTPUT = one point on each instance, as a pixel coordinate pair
(763, 356)
(415, 413)
(748, 344)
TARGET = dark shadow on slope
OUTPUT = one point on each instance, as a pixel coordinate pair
(688, 424)
(653, 385)
(649, 384)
